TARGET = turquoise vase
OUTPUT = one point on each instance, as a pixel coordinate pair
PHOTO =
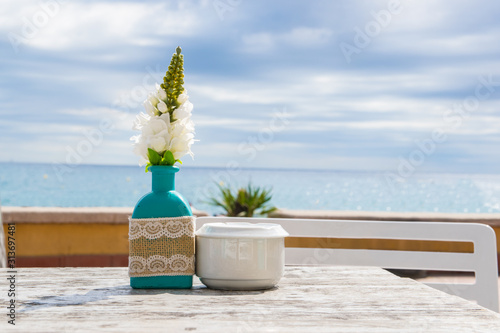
(162, 201)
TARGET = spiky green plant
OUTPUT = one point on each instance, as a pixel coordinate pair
(173, 80)
(173, 86)
(245, 202)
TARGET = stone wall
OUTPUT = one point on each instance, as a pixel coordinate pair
(71, 237)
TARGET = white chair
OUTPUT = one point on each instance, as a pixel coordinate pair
(483, 260)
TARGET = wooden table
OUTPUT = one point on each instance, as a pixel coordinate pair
(308, 299)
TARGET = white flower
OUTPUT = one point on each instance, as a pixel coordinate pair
(183, 111)
(156, 135)
(159, 132)
(154, 126)
(162, 107)
(166, 118)
(158, 143)
(182, 132)
(140, 120)
(150, 109)
(188, 125)
(153, 99)
(181, 145)
(162, 94)
(182, 97)
(140, 148)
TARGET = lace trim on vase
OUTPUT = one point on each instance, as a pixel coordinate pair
(154, 228)
(157, 265)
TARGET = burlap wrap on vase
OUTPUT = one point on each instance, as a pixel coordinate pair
(161, 246)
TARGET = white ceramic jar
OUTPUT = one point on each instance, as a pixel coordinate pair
(240, 256)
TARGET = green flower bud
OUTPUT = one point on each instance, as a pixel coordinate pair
(173, 80)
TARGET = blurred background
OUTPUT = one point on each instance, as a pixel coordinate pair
(401, 96)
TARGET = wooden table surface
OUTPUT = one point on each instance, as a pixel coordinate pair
(308, 299)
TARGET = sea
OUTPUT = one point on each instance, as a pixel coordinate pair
(48, 185)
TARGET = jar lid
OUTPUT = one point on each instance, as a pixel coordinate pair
(241, 230)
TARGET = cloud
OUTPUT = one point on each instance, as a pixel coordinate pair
(97, 60)
(71, 26)
(300, 37)
(259, 42)
(118, 119)
(306, 36)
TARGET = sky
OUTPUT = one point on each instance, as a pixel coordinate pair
(400, 86)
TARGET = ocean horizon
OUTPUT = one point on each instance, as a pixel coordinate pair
(47, 185)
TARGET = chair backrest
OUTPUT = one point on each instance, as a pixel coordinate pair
(483, 260)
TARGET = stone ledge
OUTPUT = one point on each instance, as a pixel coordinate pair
(492, 219)
(119, 215)
(110, 215)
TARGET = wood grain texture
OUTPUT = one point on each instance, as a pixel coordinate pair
(308, 299)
